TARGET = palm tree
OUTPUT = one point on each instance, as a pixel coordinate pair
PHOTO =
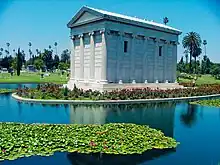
(14, 52)
(49, 47)
(186, 52)
(196, 54)
(191, 41)
(8, 45)
(55, 44)
(30, 53)
(37, 51)
(1, 51)
(6, 53)
(204, 43)
(165, 20)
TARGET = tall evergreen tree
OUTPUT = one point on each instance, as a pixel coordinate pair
(19, 62)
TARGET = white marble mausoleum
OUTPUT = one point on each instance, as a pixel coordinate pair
(111, 51)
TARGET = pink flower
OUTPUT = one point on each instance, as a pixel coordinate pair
(4, 150)
(92, 143)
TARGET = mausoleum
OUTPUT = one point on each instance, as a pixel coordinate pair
(112, 51)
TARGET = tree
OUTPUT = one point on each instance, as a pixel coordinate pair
(19, 62)
(191, 41)
(14, 63)
(196, 54)
(56, 61)
(215, 70)
(63, 66)
(6, 62)
(38, 63)
(1, 51)
(55, 44)
(47, 58)
(23, 57)
(8, 45)
(65, 56)
(6, 53)
(204, 43)
(181, 66)
(186, 52)
(206, 65)
(165, 20)
(30, 52)
(14, 52)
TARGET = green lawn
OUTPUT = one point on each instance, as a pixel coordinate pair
(204, 79)
(33, 78)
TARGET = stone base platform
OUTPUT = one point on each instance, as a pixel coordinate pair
(112, 86)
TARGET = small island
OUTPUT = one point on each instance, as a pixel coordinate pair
(57, 92)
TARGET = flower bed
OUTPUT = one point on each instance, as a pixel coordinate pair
(214, 103)
(52, 91)
(23, 140)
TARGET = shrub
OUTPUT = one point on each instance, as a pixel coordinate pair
(53, 91)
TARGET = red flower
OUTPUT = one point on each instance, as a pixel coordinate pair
(92, 143)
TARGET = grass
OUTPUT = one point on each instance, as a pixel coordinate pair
(33, 78)
(204, 79)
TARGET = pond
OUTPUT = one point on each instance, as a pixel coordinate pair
(197, 128)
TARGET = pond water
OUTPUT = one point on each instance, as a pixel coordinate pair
(197, 128)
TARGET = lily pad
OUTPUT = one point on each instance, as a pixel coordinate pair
(24, 140)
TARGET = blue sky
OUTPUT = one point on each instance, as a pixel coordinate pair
(43, 22)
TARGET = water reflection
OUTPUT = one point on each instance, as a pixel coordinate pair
(189, 116)
(104, 159)
(159, 116)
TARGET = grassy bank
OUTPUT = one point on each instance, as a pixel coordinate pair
(33, 78)
(19, 140)
(204, 79)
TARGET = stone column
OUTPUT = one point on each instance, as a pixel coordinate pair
(118, 60)
(156, 54)
(72, 60)
(92, 56)
(132, 59)
(165, 52)
(174, 60)
(104, 58)
(81, 57)
(145, 71)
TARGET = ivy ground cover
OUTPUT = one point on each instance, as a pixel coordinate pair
(213, 103)
(24, 140)
(3, 91)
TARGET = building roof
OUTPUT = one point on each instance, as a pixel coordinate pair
(128, 18)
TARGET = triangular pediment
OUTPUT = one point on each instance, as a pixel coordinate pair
(85, 15)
